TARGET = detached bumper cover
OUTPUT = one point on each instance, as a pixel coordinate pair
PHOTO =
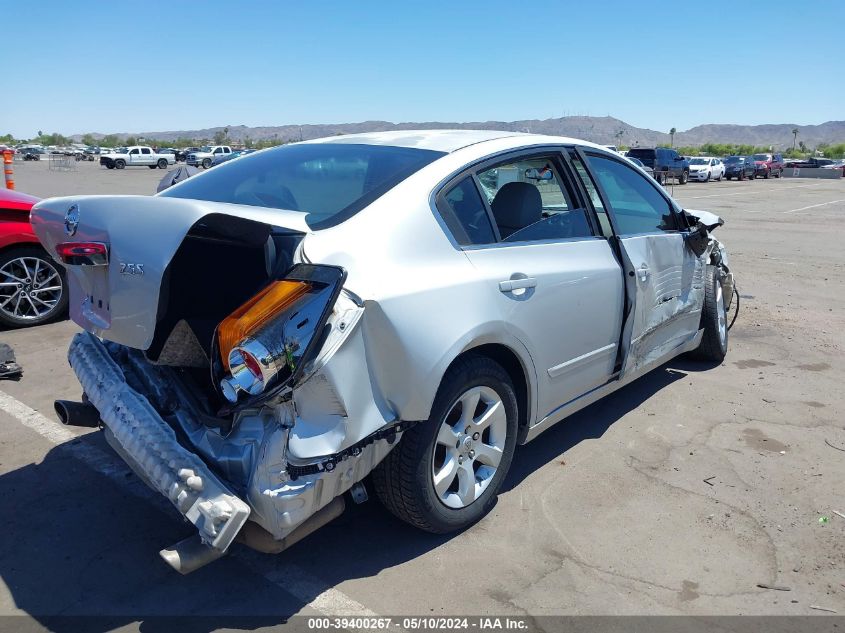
(149, 446)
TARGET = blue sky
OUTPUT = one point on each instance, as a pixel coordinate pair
(79, 66)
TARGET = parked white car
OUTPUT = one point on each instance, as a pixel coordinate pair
(706, 168)
(412, 304)
(206, 155)
(136, 156)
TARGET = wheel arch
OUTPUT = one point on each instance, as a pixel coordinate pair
(516, 368)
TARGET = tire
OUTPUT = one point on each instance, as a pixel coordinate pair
(120, 163)
(708, 177)
(683, 178)
(661, 178)
(714, 321)
(206, 163)
(13, 263)
(153, 166)
(719, 179)
(404, 481)
(766, 175)
(109, 165)
(162, 163)
(779, 174)
(727, 177)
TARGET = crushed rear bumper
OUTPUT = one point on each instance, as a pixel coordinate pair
(149, 446)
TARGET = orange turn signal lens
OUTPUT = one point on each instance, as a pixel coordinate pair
(256, 312)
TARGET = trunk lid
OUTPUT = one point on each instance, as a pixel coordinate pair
(123, 300)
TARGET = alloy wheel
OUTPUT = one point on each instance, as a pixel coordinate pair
(30, 288)
(469, 447)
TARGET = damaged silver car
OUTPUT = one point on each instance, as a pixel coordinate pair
(262, 337)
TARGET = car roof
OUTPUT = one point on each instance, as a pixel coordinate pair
(448, 140)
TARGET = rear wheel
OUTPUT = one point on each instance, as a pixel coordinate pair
(714, 320)
(32, 288)
(162, 163)
(120, 163)
(446, 472)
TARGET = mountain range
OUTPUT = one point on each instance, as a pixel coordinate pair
(604, 130)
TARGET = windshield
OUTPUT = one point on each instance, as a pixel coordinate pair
(734, 159)
(329, 181)
(698, 161)
(204, 148)
(762, 157)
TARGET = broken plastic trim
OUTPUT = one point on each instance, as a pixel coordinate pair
(328, 463)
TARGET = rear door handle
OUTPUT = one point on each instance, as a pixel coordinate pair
(516, 284)
(644, 273)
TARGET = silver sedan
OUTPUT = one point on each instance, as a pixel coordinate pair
(261, 337)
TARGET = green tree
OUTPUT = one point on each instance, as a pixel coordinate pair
(89, 139)
(131, 140)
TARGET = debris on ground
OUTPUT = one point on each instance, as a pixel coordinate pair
(818, 608)
(9, 367)
(839, 514)
(832, 446)
(775, 587)
(707, 480)
(823, 520)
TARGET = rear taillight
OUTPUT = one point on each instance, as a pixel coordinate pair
(266, 341)
(83, 253)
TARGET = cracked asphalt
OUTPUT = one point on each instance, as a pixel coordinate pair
(679, 494)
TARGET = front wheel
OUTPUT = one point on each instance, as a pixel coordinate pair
(719, 179)
(151, 166)
(206, 163)
(32, 288)
(714, 320)
(446, 471)
(683, 178)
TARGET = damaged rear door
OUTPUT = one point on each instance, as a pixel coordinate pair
(663, 276)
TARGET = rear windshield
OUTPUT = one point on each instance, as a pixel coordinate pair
(698, 161)
(329, 181)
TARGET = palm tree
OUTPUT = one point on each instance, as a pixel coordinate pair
(619, 135)
(794, 137)
(672, 136)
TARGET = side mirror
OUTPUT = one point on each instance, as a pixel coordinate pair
(679, 158)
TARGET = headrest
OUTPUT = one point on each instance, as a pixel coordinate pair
(517, 205)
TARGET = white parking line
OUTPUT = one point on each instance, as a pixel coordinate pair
(813, 206)
(744, 193)
(293, 579)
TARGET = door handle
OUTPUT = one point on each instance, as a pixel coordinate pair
(644, 273)
(517, 284)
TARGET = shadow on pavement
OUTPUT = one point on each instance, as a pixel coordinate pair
(76, 543)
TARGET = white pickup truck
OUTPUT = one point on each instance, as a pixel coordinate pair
(206, 155)
(137, 156)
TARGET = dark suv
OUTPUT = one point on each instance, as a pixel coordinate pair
(740, 167)
(665, 162)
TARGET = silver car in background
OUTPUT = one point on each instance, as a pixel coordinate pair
(261, 337)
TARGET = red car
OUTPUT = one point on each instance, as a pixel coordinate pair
(32, 285)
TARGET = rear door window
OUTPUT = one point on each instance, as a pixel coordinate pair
(466, 214)
(530, 201)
